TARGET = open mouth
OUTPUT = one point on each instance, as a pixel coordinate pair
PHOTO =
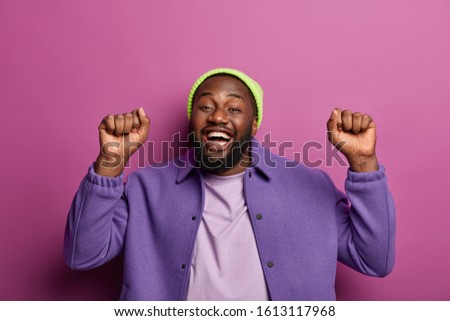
(217, 140)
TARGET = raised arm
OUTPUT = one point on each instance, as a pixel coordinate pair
(97, 220)
(366, 215)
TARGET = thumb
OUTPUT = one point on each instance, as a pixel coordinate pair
(144, 124)
(334, 124)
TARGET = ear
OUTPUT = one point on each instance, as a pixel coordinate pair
(254, 126)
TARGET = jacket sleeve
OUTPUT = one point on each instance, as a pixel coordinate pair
(366, 223)
(97, 221)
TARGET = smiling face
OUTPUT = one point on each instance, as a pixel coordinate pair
(222, 123)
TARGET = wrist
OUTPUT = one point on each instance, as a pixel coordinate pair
(363, 163)
(109, 166)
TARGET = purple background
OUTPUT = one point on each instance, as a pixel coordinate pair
(66, 64)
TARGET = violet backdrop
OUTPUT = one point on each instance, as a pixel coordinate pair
(66, 64)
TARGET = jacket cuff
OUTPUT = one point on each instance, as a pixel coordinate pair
(104, 181)
(356, 177)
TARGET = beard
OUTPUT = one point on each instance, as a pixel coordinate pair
(215, 165)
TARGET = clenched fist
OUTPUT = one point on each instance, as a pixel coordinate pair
(354, 134)
(120, 136)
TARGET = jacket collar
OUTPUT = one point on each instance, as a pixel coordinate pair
(263, 162)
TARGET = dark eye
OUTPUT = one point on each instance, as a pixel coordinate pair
(205, 108)
(234, 110)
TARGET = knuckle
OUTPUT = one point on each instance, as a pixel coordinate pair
(346, 114)
(365, 118)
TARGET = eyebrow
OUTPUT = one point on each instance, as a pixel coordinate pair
(207, 93)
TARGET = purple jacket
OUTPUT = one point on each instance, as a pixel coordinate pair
(301, 222)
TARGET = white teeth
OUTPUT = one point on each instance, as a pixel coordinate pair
(218, 135)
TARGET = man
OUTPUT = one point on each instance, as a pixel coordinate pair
(229, 220)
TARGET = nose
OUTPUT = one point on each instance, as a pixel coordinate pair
(219, 116)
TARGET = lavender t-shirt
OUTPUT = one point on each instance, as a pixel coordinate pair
(226, 264)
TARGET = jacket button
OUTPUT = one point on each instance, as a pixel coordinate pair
(258, 217)
(270, 264)
(183, 266)
(194, 218)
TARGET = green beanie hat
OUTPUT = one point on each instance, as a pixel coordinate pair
(254, 87)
